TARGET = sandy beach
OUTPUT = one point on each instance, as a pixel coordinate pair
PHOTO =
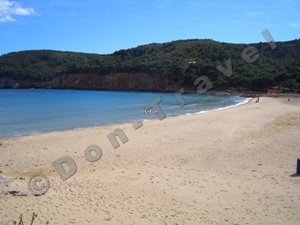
(233, 166)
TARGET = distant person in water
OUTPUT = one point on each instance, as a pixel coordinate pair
(257, 100)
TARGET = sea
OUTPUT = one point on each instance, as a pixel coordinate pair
(34, 111)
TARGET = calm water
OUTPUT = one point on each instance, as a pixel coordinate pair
(24, 112)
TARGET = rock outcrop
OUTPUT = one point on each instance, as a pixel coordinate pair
(117, 81)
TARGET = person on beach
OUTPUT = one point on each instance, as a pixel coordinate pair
(257, 100)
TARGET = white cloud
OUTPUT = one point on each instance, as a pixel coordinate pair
(6, 18)
(9, 9)
(295, 25)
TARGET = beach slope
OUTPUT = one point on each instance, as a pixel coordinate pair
(233, 166)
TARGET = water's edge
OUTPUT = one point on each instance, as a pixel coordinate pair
(246, 101)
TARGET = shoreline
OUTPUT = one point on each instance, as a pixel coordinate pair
(246, 101)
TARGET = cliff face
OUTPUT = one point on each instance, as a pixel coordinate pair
(117, 81)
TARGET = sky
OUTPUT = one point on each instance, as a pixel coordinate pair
(105, 26)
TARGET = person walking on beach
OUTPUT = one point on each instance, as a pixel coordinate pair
(257, 100)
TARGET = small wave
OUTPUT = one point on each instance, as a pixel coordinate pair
(245, 101)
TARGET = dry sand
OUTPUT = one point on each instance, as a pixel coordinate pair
(226, 167)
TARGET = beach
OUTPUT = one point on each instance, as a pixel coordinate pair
(232, 166)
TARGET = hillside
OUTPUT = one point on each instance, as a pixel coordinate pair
(156, 67)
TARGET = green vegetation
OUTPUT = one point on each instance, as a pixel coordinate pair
(21, 222)
(179, 62)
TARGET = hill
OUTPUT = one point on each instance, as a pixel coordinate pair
(156, 67)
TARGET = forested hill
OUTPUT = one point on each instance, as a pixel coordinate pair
(156, 67)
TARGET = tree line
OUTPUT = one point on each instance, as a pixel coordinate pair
(179, 62)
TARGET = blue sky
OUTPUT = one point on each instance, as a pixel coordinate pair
(104, 26)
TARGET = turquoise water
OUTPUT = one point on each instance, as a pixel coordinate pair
(31, 111)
